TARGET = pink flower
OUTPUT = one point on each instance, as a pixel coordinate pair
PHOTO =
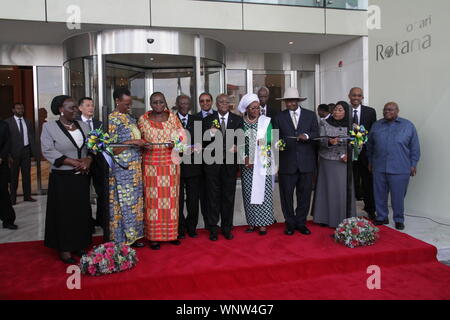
(361, 224)
(110, 252)
(355, 231)
(125, 250)
(98, 258)
(125, 266)
(92, 269)
(355, 243)
(109, 245)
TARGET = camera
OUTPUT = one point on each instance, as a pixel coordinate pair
(150, 41)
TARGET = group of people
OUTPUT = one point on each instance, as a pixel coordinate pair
(142, 190)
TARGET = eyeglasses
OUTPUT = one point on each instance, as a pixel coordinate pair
(254, 108)
(203, 101)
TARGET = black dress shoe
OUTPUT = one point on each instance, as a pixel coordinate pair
(399, 226)
(30, 200)
(304, 230)
(213, 237)
(176, 242)
(372, 216)
(193, 234)
(181, 236)
(262, 232)
(250, 230)
(228, 236)
(323, 225)
(379, 223)
(137, 245)
(10, 226)
(67, 258)
(79, 253)
(289, 232)
(155, 245)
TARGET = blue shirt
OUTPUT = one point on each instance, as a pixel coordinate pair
(393, 147)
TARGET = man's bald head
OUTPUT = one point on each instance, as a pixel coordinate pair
(356, 96)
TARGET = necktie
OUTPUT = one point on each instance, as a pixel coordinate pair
(184, 122)
(90, 125)
(22, 137)
(223, 126)
(294, 119)
(263, 111)
(355, 116)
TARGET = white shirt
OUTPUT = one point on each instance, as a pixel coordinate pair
(207, 113)
(226, 119)
(298, 113)
(25, 130)
(77, 136)
(358, 110)
(85, 120)
(264, 110)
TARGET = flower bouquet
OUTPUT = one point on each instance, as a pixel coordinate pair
(216, 124)
(356, 232)
(358, 139)
(280, 145)
(266, 153)
(178, 142)
(108, 258)
(99, 141)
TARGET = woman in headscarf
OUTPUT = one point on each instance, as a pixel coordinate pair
(257, 186)
(330, 202)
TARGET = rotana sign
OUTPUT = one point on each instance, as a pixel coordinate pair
(401, 48)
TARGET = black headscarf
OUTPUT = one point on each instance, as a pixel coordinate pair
(343, 122)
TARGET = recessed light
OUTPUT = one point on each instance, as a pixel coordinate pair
(152, 59)
(291, 42)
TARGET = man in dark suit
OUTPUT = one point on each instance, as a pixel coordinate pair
(222, 171)
(23, 147)
(366, 116)
(206, 101)
(297, 127)
(264, 95)
(7, 214)
(191, 172)
(99, 169)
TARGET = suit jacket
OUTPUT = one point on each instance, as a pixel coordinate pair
(16, 142)
(367, 119)
(5, 142)
(235, 122)
(57, 144)
(297, 155)
(191, 170)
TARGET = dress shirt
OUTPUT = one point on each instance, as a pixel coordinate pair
(298, 114)
(358, 113)
(264, 110)
(25, 130)
(184, 119)
(90, 124)
(207, 113)
(393, 147)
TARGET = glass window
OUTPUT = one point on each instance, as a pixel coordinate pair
(236, 87)
(307, 82)
(173, 83)
(347, 4)
(276, 82)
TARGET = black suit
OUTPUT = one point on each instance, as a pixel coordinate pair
(271, 113)
(100, 180)
(190, 182)
(360, 168)
(221, 177)
(203, 190)
(21, 156)
(297, 165)
(7, 214)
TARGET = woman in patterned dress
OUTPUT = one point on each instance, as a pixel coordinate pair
(126, 199)
(161, 173)
(257, 185)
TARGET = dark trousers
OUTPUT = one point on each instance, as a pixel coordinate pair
(204, 200)
(100, 180)
(397, 186)
(21, 163)
(361, 171)
(7, 213)
(191, 187)
(301, 183)
(221, 186)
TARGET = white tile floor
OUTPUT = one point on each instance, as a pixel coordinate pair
(31, 222)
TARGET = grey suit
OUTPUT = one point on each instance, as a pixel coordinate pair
(21, 156)
(57, 146)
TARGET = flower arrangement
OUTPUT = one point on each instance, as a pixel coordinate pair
(99, 141)
(356, 232)
(280, 145)
(108, 258)
(358, 139)
(216, 124)
(178, 143)
(266, 153)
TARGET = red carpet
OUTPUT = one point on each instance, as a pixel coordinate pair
(250, 266)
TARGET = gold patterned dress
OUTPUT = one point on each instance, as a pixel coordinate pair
(161, 179)
(126, 196)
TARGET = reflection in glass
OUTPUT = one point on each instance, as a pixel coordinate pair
(174, 83)
(306, 83)
(236, 87)
(276, 82)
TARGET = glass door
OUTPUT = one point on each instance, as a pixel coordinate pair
(174, 82)
(276, 82)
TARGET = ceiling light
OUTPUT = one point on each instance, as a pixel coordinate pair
(291, 42)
